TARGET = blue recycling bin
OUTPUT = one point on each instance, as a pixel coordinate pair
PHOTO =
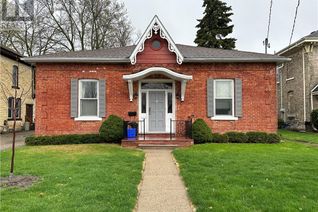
(131, 132)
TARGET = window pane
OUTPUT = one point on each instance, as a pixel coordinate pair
(15, 78)
(156, 85)
(223, 106)
(143, 102)
(223, 89)
(89, 89)
(169, 102)
(88, 107)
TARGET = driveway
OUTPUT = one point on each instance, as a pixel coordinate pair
(6, 139)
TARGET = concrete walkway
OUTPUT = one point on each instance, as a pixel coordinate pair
(162, 188)
(6, 139)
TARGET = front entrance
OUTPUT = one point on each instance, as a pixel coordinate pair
(156, 105)
(29, 113)
(157, 112)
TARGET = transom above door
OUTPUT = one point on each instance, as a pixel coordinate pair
(156, 104)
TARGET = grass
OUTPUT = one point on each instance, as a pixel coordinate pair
(309, 137)
(251, 177)
(95, 177)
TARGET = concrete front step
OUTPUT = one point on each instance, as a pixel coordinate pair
(157, 143)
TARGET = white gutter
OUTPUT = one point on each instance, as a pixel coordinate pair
(229, 59)
(281, 86)
(76, 59)
(304, 84)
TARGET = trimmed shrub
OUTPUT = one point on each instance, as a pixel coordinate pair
(314, 118)
(201, 132)
(219, 138)
(112, 130)
(236, 137)
(273, 138)
(256, 137)
(63, 139)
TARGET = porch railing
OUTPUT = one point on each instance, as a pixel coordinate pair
(180, 128)
(141, 128)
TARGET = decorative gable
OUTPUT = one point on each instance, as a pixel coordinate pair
(157, 28)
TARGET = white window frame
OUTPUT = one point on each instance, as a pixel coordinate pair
(224, 117)
(87, 118)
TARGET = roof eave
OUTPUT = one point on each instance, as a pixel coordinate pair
(236, 60)
(296, 44)
(77, 60)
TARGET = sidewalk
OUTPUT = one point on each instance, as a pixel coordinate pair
(6, 139)
(162, 188)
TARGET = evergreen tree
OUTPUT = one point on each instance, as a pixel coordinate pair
(214, 26)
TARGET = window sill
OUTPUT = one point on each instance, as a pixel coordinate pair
(88, 118)
(224, 118)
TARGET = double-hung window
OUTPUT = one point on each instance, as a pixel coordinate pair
(11, 108)
(224, 98)
(88, 98)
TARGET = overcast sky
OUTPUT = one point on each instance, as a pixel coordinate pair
(250, 20)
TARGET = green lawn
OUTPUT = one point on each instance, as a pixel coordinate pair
(97, 177)
(299, 136)
(251, 177)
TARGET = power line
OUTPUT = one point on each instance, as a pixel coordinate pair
(293, 29)
(269, 18)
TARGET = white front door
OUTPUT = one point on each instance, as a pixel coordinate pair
(157, 111)
(156, 105)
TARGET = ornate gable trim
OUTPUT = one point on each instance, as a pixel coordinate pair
(155, 27)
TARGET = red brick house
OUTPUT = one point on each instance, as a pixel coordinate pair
(159, 80)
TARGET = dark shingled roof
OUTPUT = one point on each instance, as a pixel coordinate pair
(314, 34)
(190, 54)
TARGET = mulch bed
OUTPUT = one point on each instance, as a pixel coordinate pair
(18, 181)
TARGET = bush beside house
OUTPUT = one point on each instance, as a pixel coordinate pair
(112, 130)
(63, 139)
(201, 133)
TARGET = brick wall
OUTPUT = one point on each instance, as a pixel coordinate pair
(53, 94)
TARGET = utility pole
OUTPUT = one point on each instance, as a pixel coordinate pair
(266, 44)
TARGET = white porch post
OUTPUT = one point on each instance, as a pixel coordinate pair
(183, 89)
(131, 89)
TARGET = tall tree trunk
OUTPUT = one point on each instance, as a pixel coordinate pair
(13, 138)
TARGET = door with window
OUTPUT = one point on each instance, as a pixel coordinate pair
(156, 105)
(157, 113)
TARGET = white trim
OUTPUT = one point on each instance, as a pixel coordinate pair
(155, 26)
(312, 90)
(289, 79)
(75, 59)
(157, 70)
(88, 118)
(224, 118)
(312, 97)
(296, 44)
(304, 85)
(146, 115)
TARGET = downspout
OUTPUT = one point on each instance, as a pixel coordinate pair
(304, 85)
(280, 74)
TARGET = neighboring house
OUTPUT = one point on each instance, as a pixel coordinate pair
(160, 81)
(14, 71)
(298, 82)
